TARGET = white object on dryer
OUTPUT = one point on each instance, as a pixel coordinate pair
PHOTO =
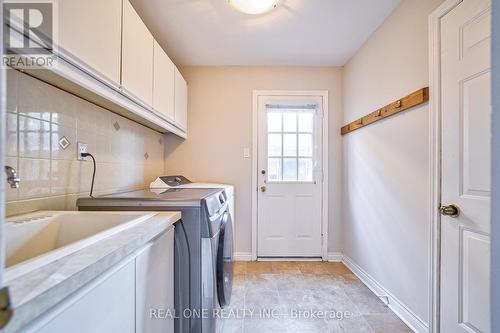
(166, 182)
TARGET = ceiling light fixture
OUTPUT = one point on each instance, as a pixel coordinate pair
(253, 7)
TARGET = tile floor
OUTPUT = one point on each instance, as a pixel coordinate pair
(282, 296)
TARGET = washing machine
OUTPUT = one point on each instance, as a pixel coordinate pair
(178, 181)
(203, 265)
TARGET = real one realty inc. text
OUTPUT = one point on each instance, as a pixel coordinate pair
(249, 313)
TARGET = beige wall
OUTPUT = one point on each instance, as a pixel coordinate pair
(51, 177)
(386, 180)
(220, 126)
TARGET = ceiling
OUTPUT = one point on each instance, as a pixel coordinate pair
(297, 33)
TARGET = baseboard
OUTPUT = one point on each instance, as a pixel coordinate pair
(242, 256)
(289, 259)
(398, 307)
(335, 257)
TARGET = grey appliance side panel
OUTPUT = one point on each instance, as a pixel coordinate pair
(182, 270)
(192, 225)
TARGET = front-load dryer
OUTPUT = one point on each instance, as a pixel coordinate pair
(217, 263)
(204, 231)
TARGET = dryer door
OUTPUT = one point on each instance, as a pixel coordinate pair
(225, 261)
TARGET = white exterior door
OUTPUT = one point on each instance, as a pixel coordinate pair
(289, 176)
(466, 160)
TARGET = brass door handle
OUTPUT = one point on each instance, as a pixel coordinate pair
(450, 210)
(263, 189)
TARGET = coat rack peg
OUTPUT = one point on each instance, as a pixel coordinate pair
(418, 97)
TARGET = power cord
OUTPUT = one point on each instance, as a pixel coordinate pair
(93, 174)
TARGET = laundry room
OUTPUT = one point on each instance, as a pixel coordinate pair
(250, 166)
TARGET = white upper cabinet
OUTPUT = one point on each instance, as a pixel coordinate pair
(181, 100)
(164, 82)
(137, 56)
(111, 59)
(90, 33)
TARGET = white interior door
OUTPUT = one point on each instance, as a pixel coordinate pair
(466, 160)
(289, 176)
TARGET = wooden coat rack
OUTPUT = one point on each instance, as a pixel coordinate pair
(418, 97)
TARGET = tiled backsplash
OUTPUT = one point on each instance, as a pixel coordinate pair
(45, 123)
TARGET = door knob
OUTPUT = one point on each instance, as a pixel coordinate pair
(263, 189)
(263, 172)
(450, 210)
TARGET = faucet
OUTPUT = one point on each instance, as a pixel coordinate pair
(12, 177)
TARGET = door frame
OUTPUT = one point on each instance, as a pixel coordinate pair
(255, 149)
(3, 143)
(435, 160)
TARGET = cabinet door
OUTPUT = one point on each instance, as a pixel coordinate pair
(181, 100)
(137, 56)
(155, 286)
(164, 81)
(104, 306)
(90, 31)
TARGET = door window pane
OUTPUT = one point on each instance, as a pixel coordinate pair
(305, 169)
(274, 169)
(274, 121)
(306, 121)
(274, 145)
(289, 169)
(290, 145)
(290, 121)
(305, 145)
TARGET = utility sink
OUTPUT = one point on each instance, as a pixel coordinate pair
(36, 239)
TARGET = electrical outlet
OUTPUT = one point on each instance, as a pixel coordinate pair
(81, 148)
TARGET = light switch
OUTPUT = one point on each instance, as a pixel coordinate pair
(246, 152)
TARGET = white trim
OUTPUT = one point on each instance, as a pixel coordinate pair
(242, 256)
(324, 215)
(435, 160)
(397, 306)
(255, 159)
(335, 257)
(3, 144)
(288, 259)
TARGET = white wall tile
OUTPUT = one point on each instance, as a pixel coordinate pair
(51, 177)
(87, 136)
(10, 193)
(35, 98)
(11, 102)
(63, 178)
(86, 116)
(35, 178)
(65, 109)
(103, 149)
(34, 138)
(12, 140)
(82, 174)
(59, 132)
